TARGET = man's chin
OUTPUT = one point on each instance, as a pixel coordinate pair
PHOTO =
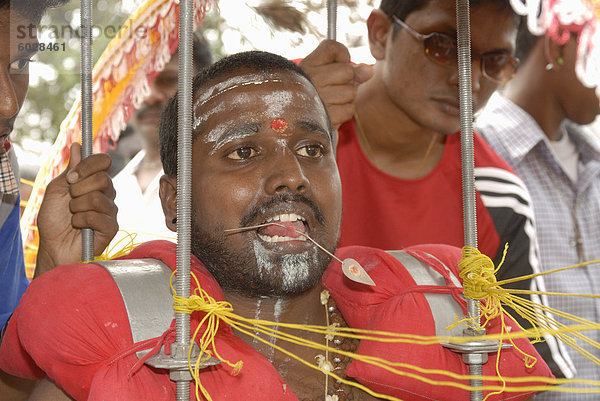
(285, 274)
(255, 268)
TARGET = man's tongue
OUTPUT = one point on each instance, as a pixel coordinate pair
(283, 229)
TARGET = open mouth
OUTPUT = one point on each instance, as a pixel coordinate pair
(284, 227)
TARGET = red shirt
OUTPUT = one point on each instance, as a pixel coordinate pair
(386, 212)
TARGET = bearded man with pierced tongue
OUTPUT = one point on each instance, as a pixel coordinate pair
(266, 202)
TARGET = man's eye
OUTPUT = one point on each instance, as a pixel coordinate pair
(19, 65)
(311, 151)
(242, 153)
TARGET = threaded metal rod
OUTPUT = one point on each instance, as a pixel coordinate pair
(466, 119)
(476, 370)
(467, 157)
(331, 19)
(184, 180)
(87, 253)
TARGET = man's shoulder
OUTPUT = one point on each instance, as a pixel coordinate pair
(386, 269)
(487, 156)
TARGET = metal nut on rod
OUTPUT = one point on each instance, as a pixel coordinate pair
(177, 362)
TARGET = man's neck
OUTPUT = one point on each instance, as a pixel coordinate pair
(392, 141)
(302, 309)
(532, 89)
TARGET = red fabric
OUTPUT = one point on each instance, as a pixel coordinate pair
(72, 326)
(395, 305)
(386, 212)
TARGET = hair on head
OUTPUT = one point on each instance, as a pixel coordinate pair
(525, 41)
(402, 8)
(255, 61)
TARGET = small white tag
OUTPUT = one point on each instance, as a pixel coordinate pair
(355, 272)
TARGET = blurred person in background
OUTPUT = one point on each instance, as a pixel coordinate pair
(533, 125)
(399, 147)
(137, 184)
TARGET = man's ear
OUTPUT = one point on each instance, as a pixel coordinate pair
(554, 53)
(168, 199)
(380, 27)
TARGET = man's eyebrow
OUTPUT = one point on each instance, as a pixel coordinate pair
(226, 135)
(311, 126)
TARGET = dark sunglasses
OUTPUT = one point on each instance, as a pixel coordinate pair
(441, 49)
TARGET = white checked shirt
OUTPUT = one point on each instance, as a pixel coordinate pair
(567, 215)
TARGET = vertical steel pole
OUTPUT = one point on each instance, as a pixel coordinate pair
(177, 361)
(468, 159)
(184, 181)
(331, 19)
(87, 253)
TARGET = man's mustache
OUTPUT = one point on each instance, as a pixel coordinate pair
(283, 198)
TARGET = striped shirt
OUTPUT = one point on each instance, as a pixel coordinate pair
(567, 215)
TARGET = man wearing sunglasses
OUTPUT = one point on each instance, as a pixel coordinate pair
(399, 146)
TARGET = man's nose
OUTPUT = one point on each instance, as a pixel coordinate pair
(287, 174)
(9, 102)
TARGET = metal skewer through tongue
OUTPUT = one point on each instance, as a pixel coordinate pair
(351, 268)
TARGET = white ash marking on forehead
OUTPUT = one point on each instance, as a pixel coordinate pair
(217, 132)
(276, 102)
(242, 98)
(205, 116)
(282, 143)
(232, 83)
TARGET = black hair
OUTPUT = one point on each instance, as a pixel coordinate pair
(402, 8)
(257, 61)
(525, 41)
(31, 9)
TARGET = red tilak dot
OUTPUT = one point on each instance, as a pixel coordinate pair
(279, 125)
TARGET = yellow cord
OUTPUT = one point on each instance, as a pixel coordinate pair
(477, 272)
(121, 248)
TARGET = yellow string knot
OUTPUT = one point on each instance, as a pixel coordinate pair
(477, 271)
(202, 303)
(237, 367)
(215, 313)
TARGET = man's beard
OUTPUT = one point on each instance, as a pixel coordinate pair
(255, 270)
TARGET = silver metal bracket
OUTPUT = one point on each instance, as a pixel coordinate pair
(475, 352)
